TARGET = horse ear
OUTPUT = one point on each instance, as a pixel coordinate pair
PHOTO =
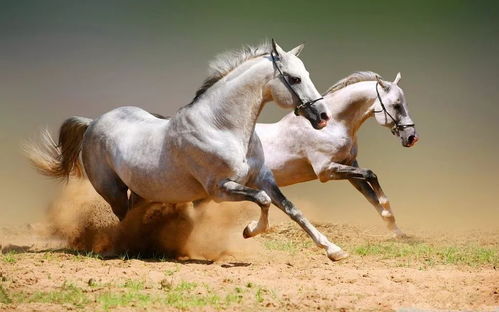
(397, 79)
(382, 83)
(297, 50)
(277, 49)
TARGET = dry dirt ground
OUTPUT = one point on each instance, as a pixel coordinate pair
(279, 271)
(53, 266)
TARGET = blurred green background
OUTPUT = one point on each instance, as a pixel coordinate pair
(64, 58)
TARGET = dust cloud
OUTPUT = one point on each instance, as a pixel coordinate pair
(85, 222)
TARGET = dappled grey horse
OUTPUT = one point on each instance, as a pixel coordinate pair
(207, 151)
(296, 153)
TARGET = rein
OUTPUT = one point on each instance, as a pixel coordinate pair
(397, 127)
(302, 104)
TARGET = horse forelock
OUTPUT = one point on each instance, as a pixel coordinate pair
(224, 63)
(353, 78)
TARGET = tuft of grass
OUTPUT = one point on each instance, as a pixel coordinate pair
(9, 257)
(469, 255)
(81, 256)
(184, 295)
(262, 294)
(172, 272)
(4, 296)
(134, 285)
(67, 294)
(110, 300)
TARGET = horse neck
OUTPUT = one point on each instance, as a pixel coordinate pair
(235, 102)
(352, 105)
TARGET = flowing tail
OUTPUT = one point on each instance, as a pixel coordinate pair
(60, 160)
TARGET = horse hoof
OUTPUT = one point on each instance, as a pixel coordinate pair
(338, 255)
(249, 230)
(400, 235)
(246, 233)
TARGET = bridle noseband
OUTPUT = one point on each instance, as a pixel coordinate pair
(397, 127)
(302, 104)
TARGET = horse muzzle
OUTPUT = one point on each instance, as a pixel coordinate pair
(315, 112)
(409, 139)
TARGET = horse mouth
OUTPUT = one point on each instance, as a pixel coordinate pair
(411, 141)
(318, 124)
(322, 124)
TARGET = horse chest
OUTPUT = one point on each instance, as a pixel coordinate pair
(337, 144)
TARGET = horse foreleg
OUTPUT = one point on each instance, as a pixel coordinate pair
(269, 185)
(370, 195)
(367, 184)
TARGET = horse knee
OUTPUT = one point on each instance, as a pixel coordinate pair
(370, 175)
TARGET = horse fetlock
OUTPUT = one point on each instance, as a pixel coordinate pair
(386, 213)
(383, 201)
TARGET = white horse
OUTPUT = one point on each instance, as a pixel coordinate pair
(207, 151)
(296, 153)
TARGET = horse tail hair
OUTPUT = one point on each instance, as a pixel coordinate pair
(60, 160)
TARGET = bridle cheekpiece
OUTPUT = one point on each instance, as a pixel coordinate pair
(303, 104)
(396, 126)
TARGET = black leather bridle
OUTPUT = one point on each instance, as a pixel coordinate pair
(303, 104)
(397, 127)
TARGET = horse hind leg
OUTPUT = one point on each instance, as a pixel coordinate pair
(135, 200)
(112, 189)
(257, 227)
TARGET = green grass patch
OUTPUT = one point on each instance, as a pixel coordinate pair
(184, 295)
(9, 257)
(4, 297)
(467, 255)
(67, 294)
(113, 299)
(134, 285)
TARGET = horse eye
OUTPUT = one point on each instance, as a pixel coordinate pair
(294, 80)
(397, 106)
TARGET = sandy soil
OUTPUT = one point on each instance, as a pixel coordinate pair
(264, 273)
(162, 260)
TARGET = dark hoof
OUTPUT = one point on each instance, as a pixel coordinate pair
(246, 233)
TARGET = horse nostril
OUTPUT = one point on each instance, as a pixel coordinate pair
(324, 116)
(411, 139)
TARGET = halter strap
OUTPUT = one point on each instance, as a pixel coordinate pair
(302, 104)
(397, 127)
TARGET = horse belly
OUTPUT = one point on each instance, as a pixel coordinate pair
(165, 183)
(293, 171)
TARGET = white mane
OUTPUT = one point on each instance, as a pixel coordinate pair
(353, 78)
(224, 63)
